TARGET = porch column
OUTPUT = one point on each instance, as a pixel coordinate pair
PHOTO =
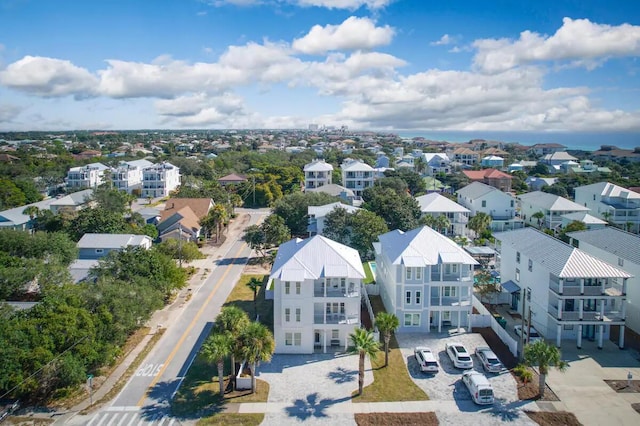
(581, 285)
(560, 285)
(560, 308)
(459, 317)
(600, 335)
(623, 310)
(559, 335)
(621, 338)
(579, 340)
(580, 308)
(324, 341)
(440, 321)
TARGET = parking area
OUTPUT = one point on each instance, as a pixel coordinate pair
(446, 384)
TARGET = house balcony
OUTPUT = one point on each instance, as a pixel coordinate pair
(351, 291)
(450, 301)
(336, 319)
(587, 316)
(450, 277)
(572, 290)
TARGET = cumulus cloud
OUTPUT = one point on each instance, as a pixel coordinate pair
(443, 41)
(352, 34)
(344, 4)
(48, 77)
(9, 112)
(580, 40)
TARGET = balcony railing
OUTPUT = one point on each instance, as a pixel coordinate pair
(319, 292)
(450, 301)
(588, 290)
(336, 319)
(608, 316)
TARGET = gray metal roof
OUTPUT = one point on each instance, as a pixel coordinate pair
(612, 240)
(16, 217)
(559, 258)
(436, 203)
(550, 202)
(476, 190)
(110, 241)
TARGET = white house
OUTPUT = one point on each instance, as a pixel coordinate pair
(160, 179)
(501, 206)
(619, 248)
(492, 161)
(317, 214)
(591, 222)
(436, 205)
(611, 202)
(128, 175)
(425, 279)
(357, 176)
(552, 206)
(89, 176)
(316, 295)
(438, 162)
(569, 294)
(317, 174)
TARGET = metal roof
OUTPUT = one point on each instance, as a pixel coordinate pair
(111, 241)
(557, 257)
(322, 211)
(436, 203)
(476, 190)
(550, 202)
(612, 240)
(510, 286)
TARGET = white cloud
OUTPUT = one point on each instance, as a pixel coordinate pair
(242, 3)
(46, 77)
(9, 112)
(353, 34)
(344, 4)
(581, 41)
(444, 40)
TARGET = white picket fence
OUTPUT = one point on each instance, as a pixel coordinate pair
(487, 320)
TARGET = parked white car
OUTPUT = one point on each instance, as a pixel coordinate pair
(426, 360)
(459, 355)
(479, 387)
(534, 336)
(488, 359)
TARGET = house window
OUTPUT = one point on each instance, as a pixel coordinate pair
(620, 261)
(408, 273)
(530, 265)
(335, 334)
(528, 294)
(418, 273)
(412, 320)
(518, 256)
(287, 287)
(511, 203)
(446, 316)
(484, 203)
(297, 288)
(418, 297)
(449, 291)
(517, 275)
(407, 297)
(297, 314)
(293, 339)
(99, 251)
(287, 314)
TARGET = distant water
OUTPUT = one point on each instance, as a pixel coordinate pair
(581, 141)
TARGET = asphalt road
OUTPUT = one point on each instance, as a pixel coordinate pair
(145, 398)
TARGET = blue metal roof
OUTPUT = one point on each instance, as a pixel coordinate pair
(510, 286)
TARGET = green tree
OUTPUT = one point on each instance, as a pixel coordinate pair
(293, 208)
(32, 212)
(538, 216)
(111, 199)
(387, 324)
(215, 349)
(254, 284)
(574, 226)
(215, 219)
(10, 195)
(486, 286)
(479, 223)
(543, 355)
(232, 321)
(186, 251)
(275, 231)
(337, 225)
(255, 238)
(99, 221)
(366, 226)
(399, 211)
(257, 344)
(363, 344)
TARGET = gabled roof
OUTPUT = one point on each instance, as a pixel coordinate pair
(607, 189)
(551, 202)
(321, 211)
(422, 247)
(74, 199)
(464, 151)
(111, 241)
(185, 217)
(333, 189)
(585, 218)
(318, 166)
(559, 156)
(199, 206)
(559, 258)
(612, 240)
(486, 174)
(356, 166)
(476, 190)
(140, 164)
(316, 257)
(439, 156)
(436, 203)
(233, 177)
(16, 217)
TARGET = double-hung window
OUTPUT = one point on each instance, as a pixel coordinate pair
(411, 320)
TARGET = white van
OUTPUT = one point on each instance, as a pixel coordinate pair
(478, 386)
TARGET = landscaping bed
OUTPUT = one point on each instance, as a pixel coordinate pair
(555, 418)
(396, 419)
(623, 386)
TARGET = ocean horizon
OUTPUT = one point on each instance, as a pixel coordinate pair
(585, 141)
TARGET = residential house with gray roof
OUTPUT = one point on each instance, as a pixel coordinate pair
(613, 203)
(552, 206)
(95, 246)
(479, 197)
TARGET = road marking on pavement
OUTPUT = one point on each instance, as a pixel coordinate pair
(149, 370)
(188, 330)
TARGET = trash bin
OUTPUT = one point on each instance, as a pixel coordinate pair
(502, 322)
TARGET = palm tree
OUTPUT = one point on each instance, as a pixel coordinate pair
(387, 323)
(32, 212)
(542, 355)
(363, 344)
(254, 284)
(479, 223)
(442, 224)
(232, 320)
(257, 345)
(539, 216)
(216, 348)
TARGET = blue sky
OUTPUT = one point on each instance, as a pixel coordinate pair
(504, 65)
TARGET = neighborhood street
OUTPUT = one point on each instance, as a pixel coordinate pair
(145, 398)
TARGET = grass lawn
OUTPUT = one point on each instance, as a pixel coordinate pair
(397, 419)
(199, 396)
(369, 278)
(391, 383)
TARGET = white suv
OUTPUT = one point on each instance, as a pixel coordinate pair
(459, 355)
(426, 360)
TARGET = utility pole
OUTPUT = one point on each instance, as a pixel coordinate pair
(253, 178)
(90, 386)
(524, 303)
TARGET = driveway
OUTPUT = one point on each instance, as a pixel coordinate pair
(312, 389)
(447, 385)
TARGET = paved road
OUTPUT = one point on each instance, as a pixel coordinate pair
(145, 398)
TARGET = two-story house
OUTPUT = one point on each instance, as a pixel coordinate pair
(491, 177)
(357, 176)
(466, 156)
(318, 213)
(128, 175)
(552, 206)
(425, 279)
(316, 286)
(620, 248)
(317, 173)
(492, 161)
(501, 206)
(567, 293)
(438, 162)
(89, 176)
(160, 179)
(435, 205)
(613, 203)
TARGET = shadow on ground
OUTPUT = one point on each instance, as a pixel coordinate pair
(309, 407)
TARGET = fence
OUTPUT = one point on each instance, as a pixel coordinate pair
(485, 316)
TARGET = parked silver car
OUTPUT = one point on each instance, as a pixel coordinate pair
(488, 359)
